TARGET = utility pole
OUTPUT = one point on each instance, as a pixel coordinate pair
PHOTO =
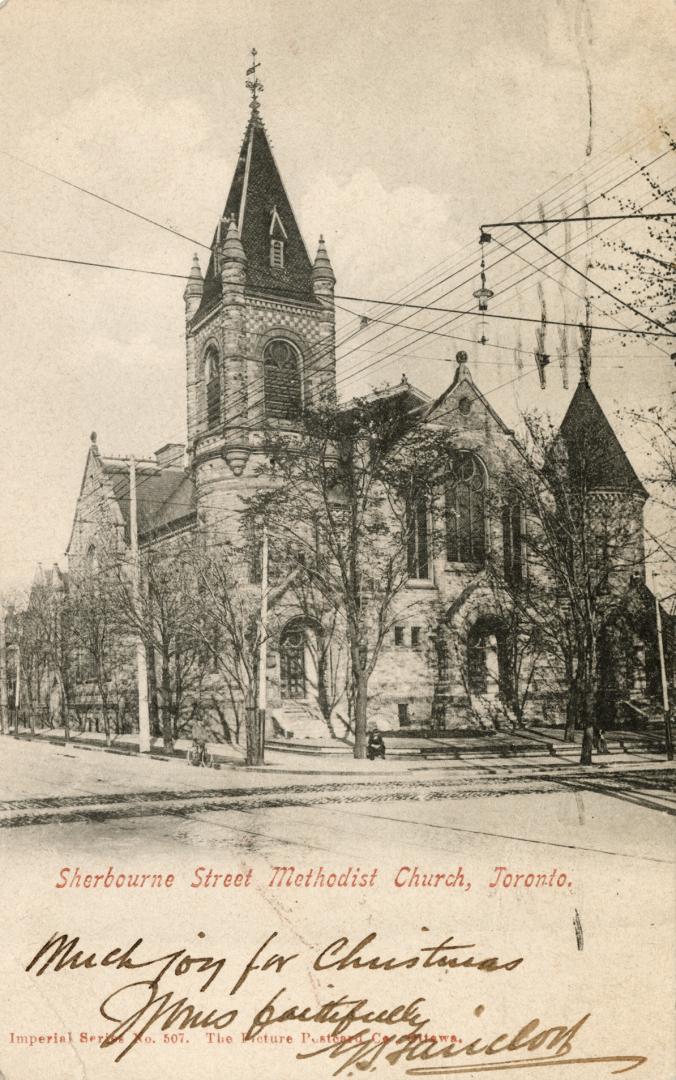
(263, 649)
(4, 718)
(17, 690)
(663, 676)
(141, 664)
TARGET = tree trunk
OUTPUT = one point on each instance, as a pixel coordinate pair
(64, 706)
(32, 707)
(571, 713)
(360, 716)
(587, 745)
(103, 693)
(153, 705)
(253, 740)
(167, 726)
(587, 710)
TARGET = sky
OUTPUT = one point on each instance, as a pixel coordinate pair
(398, 128)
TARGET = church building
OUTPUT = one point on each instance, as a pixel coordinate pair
(260, 348)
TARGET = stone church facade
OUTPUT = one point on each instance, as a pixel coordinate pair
(260, 346)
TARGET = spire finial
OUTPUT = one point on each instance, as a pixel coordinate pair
(254, 84)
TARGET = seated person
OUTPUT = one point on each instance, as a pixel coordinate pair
(375, 746)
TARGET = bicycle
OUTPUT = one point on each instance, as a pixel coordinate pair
(198, 755)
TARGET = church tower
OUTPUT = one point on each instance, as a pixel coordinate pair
(260, 325)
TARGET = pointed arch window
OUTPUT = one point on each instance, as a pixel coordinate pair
(281, 362)
(212, 380)
(512, 542)
(465, 509)
(418, 554)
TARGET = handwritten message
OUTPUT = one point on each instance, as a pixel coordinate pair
(183, 991)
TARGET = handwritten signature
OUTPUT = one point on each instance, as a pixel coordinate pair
(356, 1034)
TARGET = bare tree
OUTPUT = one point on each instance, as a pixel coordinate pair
(344, 502)
(225, 616)
(46, 645)
(643, 266)
(94, 617)
(160, 615)
(584, 546)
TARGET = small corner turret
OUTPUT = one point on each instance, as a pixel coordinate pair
(233, 258)
(192, 294)
(323, 277)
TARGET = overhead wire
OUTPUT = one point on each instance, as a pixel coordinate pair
(353, 374)
(497, 261)
(103, 199)
(470, 313)
(415, 330)
(236, 512)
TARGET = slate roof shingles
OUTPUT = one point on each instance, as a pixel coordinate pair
(163, 498)
(264, 192)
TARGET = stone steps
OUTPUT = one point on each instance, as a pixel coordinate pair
(299, 720)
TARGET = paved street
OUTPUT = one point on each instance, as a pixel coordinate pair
(603, 836)
(48, 784)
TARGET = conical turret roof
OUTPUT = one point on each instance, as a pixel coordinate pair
(594, 451)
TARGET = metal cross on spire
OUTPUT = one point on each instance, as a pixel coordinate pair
(254, 84)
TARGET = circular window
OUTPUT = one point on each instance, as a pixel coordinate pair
(464, 405)
(279, 352)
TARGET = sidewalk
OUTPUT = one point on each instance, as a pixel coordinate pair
(490, 753)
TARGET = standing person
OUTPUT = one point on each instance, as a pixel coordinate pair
(199, 736)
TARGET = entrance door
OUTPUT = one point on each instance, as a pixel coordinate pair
(488, 660)
(292, 662)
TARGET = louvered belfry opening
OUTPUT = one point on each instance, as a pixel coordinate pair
(283, 399)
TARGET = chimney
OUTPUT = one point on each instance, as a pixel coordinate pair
(170, 456)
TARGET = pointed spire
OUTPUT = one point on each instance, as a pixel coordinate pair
(594, 449)
(195, 282)
(256, 189)
(232, 248)
(192, 294)
(195, 270)
(323, 277)
(322, 265)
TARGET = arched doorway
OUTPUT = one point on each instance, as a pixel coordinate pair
(488, 668)
(292, 661)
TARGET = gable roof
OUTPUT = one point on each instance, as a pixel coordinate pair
(463, 379)
(257, 199)
(164, 497)
(410, 398)
(593, 446)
